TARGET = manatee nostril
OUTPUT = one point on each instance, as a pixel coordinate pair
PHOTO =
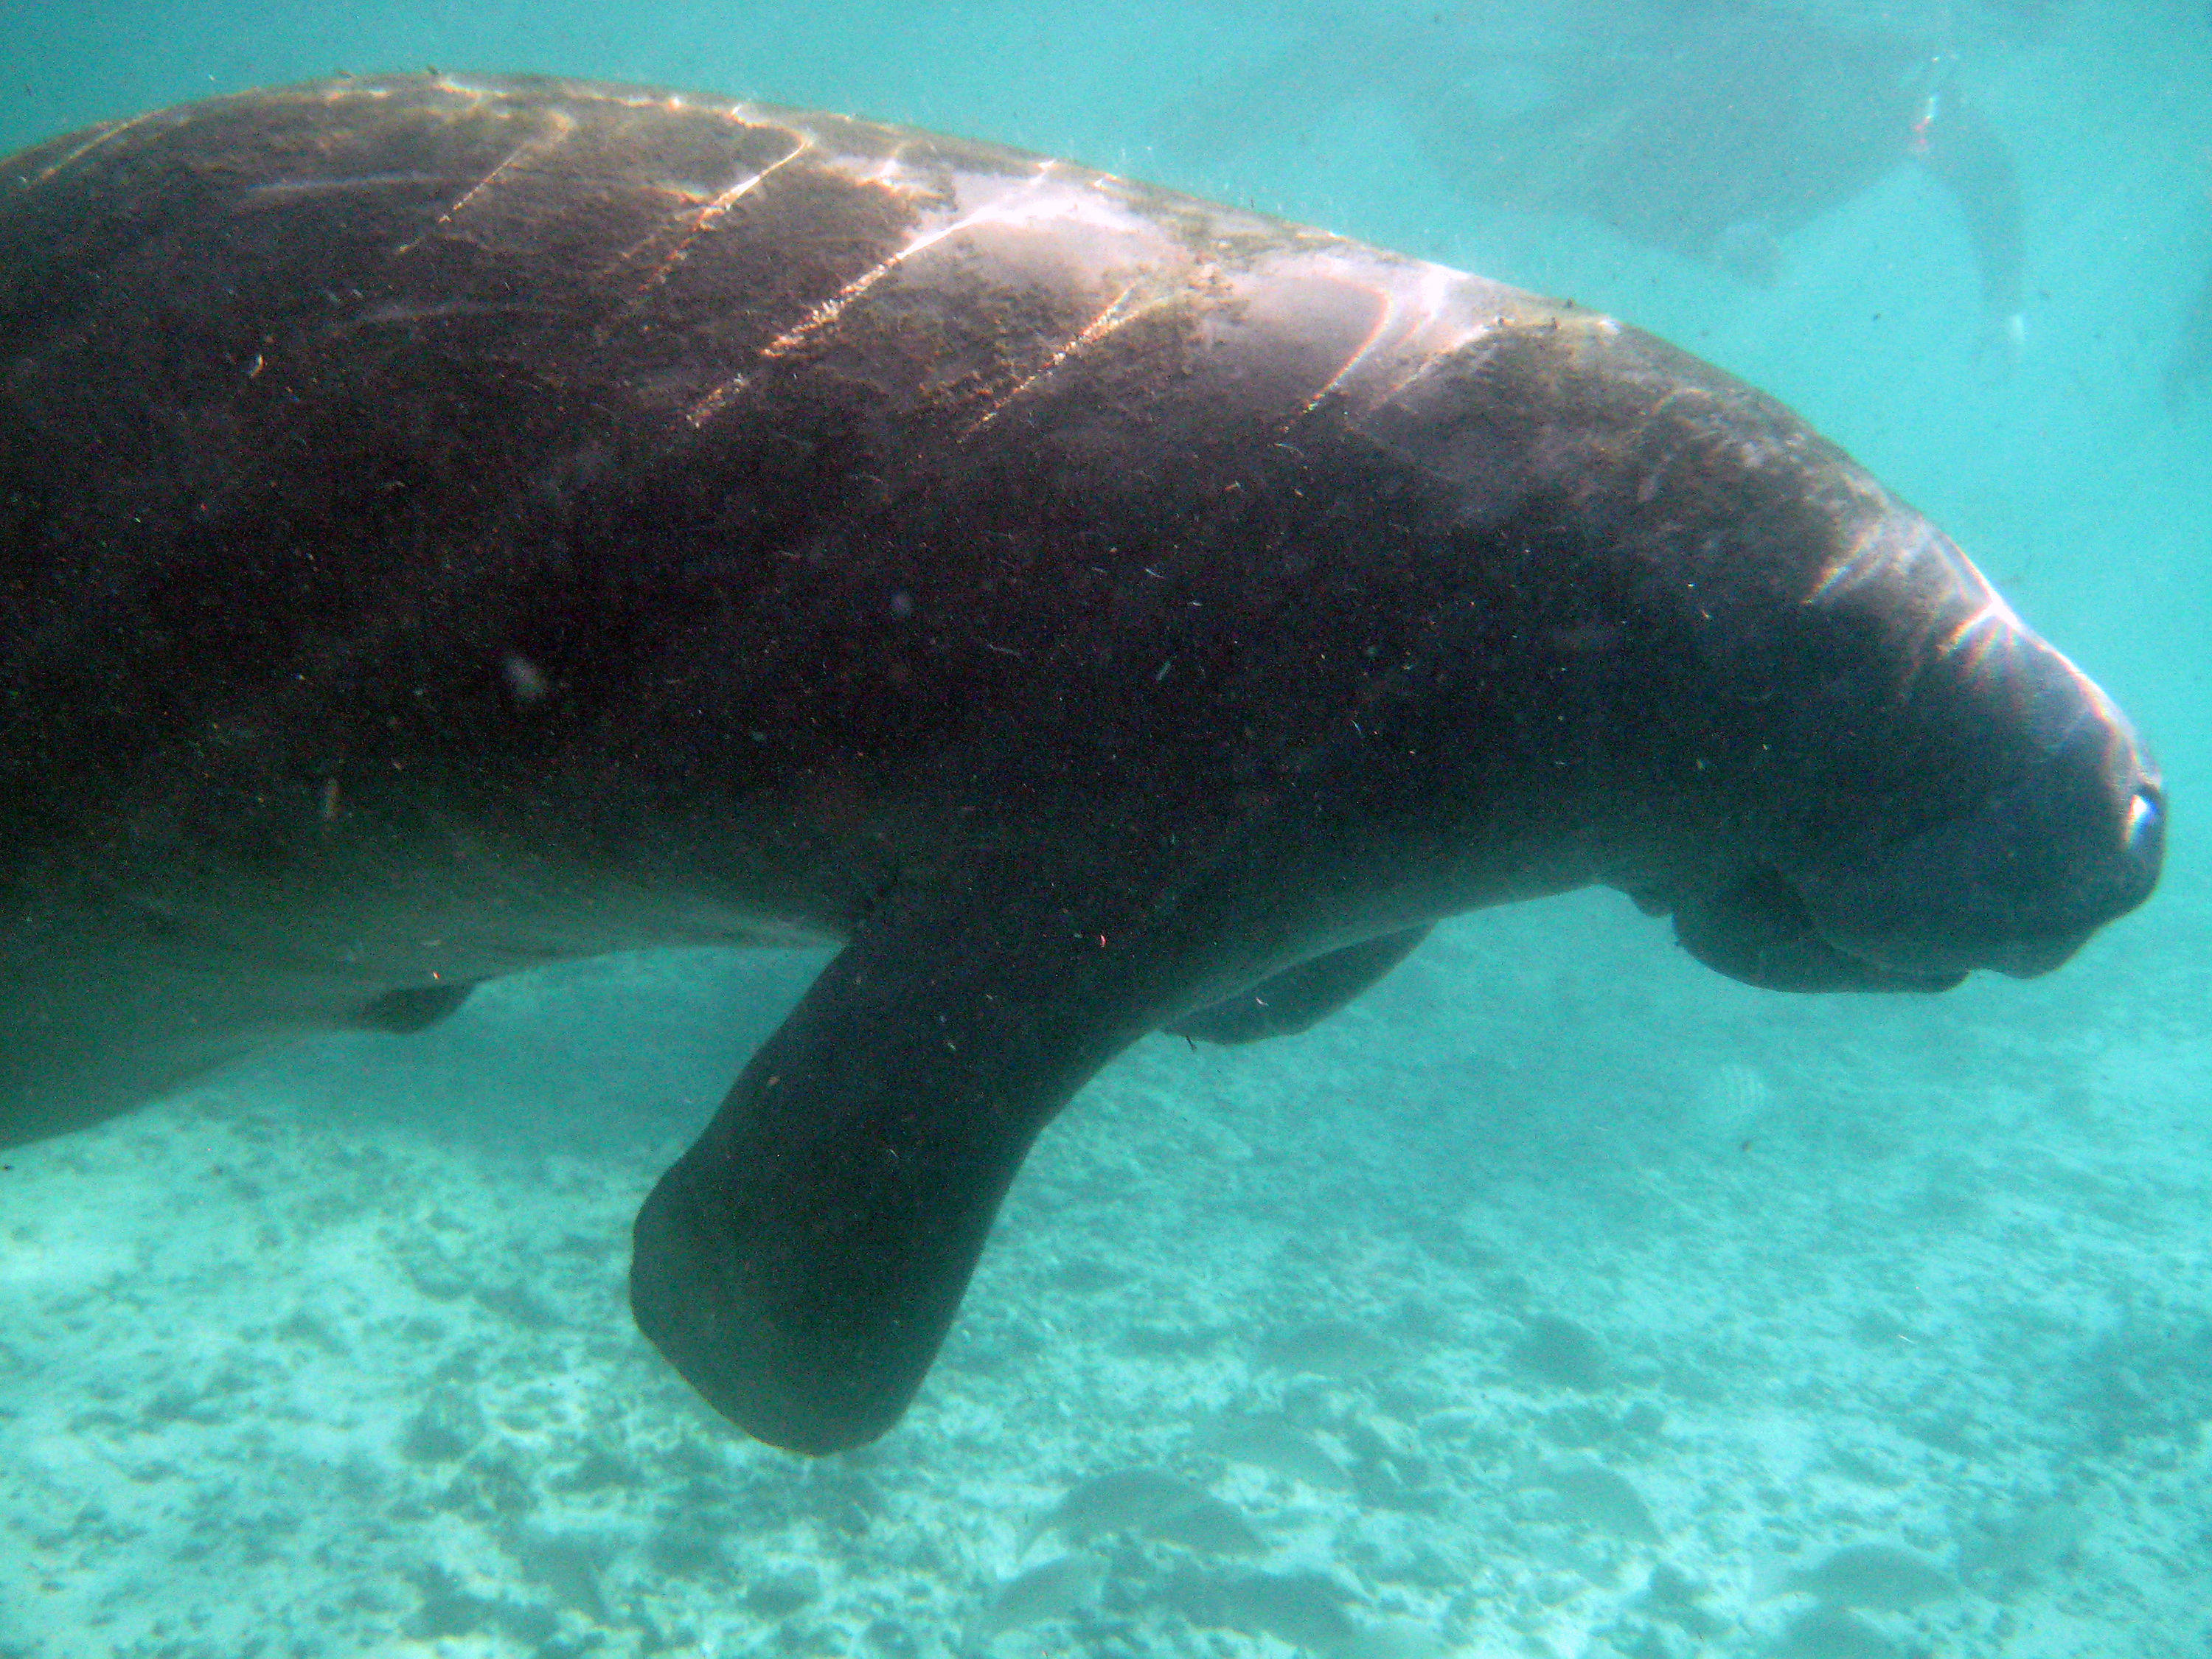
(2146, 813)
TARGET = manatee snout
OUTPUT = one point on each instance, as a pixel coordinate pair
(2014, 881)
(2018, 885)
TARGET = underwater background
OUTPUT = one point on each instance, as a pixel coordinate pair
(1556, 1298)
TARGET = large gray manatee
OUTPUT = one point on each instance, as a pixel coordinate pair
(449, 525)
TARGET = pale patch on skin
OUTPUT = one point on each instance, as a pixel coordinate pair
(703, 408)
(1966, 622)
(1985, 638)
(1872, 550)
(1424, 316)
(1445, 312)
(285, 190)
(1386, 313)
(563, 125)
(114, 129)
(711, 211)
(829, 311)
(1118, 313)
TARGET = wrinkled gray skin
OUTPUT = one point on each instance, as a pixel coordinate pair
(449, 526)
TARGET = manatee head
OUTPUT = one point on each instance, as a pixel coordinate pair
(2072, 839)
(1854, 766)
(1970, 800)
(2018, 883)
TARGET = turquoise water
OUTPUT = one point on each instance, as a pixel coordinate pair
(330, 1355)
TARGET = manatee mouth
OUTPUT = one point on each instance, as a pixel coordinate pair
(2015, 887)
(1756, 929)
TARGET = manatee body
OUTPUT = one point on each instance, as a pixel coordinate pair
(448, 526)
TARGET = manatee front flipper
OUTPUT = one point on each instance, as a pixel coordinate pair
(802, 1262)
(407, 1009)
(1303, 996)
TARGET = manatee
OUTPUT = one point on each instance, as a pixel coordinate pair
(449, 525)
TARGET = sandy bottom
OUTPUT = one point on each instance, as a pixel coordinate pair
(1559, 1298)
